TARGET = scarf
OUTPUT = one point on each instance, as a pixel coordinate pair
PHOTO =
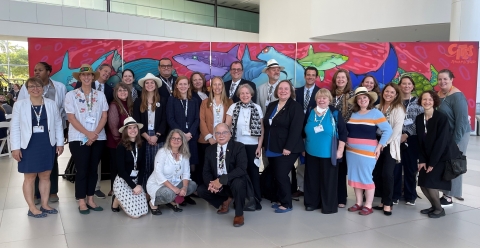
(255, 124)
(343, 103)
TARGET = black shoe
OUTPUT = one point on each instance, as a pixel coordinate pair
(117, 209)
(427, 211)
(155, 211)
(378, 208)
(446, 200)
(189, 200)
(258, 207)
(175, 208)
(310, 209)
(435, 216)
(387, 213)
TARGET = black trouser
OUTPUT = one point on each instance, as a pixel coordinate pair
(105, 166)
(294, 186)
(410, 170)
(383, 176)
(197, 175)
(253, 171)
(53, 179)
(86, 162)
(321, 184)
(237, 189)
(282, 166)
(113, 166)
(342, 180)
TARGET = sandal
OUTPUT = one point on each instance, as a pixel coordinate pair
(155, 211)
(365, 211)
(175, 208)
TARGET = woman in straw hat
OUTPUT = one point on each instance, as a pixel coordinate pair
(127, 188)
(87, 113)
(150, 110)
(363, 149)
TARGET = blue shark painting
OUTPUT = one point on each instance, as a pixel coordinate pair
(252, 69)
(64, 75)
(385, 74)
(292, 67)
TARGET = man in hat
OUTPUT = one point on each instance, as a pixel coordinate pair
(54, 91)
(225, 174)
(231, 86)
(105, 71)
(265, 91)
(165, 67)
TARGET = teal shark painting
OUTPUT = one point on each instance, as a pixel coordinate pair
(322, 61)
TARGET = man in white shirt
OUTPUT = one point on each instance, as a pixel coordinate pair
(231, 86)
(225, 174)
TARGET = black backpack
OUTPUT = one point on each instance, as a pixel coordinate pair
(70, 171)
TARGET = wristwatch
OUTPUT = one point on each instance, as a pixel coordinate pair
(158, 135)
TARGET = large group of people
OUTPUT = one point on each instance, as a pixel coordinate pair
(176, 139)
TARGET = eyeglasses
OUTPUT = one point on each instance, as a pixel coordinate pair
(165, 66)
(222, 133)
(236, 69)
(176, 139)
(122, 90)
(35, 87)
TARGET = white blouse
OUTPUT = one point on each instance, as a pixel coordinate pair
(243, 123)
(75, 103)
(167, 169)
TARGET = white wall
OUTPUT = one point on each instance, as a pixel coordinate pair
(315, 20)
(25, 19)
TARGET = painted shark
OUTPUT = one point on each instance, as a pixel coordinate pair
(200, 61)
(293, 70)
(251, 68)
(64, 75)
(322, 61)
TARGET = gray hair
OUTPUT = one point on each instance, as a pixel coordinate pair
(183, 148)
(252, 92)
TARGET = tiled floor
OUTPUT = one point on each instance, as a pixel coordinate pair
(200, 226)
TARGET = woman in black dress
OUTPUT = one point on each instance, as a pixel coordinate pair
(435, 148)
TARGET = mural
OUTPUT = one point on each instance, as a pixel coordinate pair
(67, 55)
(387, 61)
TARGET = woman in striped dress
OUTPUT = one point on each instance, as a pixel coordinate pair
(363, 149)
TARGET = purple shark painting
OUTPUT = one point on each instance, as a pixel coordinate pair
(200, 61)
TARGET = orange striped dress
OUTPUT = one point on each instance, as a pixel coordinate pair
(361, 144)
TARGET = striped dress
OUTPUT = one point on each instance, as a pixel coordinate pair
(361, 143)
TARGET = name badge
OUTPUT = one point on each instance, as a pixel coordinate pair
(318, 129)
(91, 120)
(37, 129)
(256, 161)
(266, 103)
(408, 122)
(84, 140)
(134, 173)
(246, 132)
(150, 126)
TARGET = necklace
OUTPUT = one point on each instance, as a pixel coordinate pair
(446, 94)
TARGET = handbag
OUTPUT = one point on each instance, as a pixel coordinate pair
(455, 167)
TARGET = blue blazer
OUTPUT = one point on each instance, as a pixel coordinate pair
(176, 115)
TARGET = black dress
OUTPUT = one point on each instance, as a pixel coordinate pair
(436, 146)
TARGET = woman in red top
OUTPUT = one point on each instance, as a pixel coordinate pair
(120, 108)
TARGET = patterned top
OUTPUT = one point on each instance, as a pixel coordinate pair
(339, 101)
(77, 104)
(413, 110)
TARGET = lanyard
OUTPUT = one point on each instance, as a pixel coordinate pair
(168, 83)
(451, 88)
(39, 113)
(337, 100)
(88, 101)
(425, 121)
(135, 157)
(324, 114)
(408, 105)
(186, 110)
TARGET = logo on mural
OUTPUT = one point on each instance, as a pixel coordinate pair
(462, 53)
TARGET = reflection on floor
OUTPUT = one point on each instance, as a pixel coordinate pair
(200, 226)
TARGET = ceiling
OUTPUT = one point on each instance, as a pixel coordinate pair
(248, 5)
(429, 32)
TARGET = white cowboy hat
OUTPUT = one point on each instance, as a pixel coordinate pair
(363, 91)
(130, 121)
(272, 63)
(149, 75)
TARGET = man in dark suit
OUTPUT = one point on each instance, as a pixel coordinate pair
(165, 67)
(225, 174)
(231, 86)
(305, 95)
(105, 70)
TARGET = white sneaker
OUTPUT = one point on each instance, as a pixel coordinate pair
(410, 203)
